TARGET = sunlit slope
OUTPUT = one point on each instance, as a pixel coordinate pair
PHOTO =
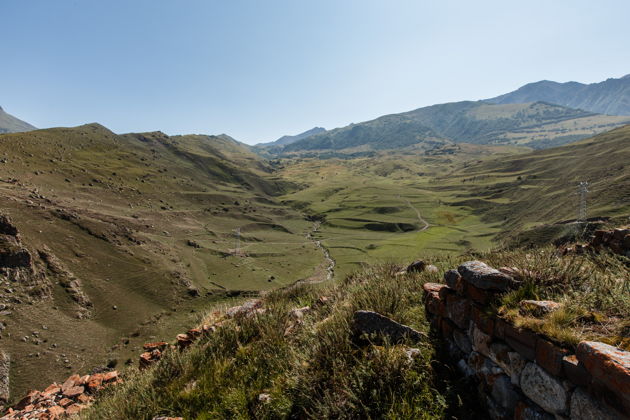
(541, 187)
(145, 222)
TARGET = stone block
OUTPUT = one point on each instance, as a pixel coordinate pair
(484, 322)
(521, 340)
(480, 341)
(545, 390)
(454, 280)
(549, 356)
(458, 310)
(510, 361)
(480, 296)
(584, 407)
(485, 277)
(504, 393)
(462, 341)
(608, 364)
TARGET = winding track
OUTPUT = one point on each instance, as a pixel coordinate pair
(426, 224)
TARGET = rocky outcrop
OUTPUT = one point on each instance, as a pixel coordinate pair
(614, 240)
(521, 374)
(68, 281)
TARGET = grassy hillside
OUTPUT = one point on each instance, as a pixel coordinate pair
(143, 223)
(10, 124)
(540, 188)
(611, 97)
(376, 208)
(273, 364)
(537, 125)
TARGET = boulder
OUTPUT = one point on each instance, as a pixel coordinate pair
(416, 267)
(545, 390)
(374, 324)
(485, 277)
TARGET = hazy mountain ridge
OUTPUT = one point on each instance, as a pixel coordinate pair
(284, 140)
(536, 124)
(611, 97)
(11, 124)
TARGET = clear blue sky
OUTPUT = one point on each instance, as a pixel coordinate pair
(259, 69)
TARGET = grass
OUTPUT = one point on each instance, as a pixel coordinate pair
(593, 289)
(317, 371)
(269, 366)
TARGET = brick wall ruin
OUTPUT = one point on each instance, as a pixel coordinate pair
(521, 374)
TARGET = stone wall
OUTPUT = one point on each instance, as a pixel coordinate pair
(521, 374)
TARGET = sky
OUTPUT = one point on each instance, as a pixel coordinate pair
(257, 70)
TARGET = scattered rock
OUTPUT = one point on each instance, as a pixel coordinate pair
(416, 267)
(378, 326)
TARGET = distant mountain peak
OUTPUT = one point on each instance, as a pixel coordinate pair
(10, 124)
(284, 140)
(611, 96)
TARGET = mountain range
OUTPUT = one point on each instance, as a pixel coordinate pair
(538, 115)
(534, 124)
(611, 97)
(11, 124)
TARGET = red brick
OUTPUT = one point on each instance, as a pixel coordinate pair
(432, 303)
(499, 328)
(479, 295)
(608, 364)
(458, 310)
(55, 411)
(549, 356)
(74, 409)
(74, 391)
(483, 321)
(160, 345)
(110, 376)
(64, 402)
(432, 287)
(575, 371)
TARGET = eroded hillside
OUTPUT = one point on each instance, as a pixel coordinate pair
(119, 237)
